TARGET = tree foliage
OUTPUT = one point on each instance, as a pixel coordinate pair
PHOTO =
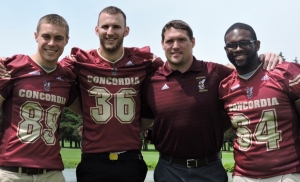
(68, 128)
(296, 60)
(281, 55)
(229, 137)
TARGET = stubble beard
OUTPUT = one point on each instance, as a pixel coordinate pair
(249, 60)
(109, 48)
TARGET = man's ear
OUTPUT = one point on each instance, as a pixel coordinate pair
(162, 44)
(193, 41)
(36, 36)
(127, 29)
(257, 45)
(97, 31)
(67, 40)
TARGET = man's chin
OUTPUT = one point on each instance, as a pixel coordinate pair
(110, 48)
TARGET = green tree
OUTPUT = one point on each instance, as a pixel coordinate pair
(68, 128)
(229, 137)
(296, 60)
(281, 55)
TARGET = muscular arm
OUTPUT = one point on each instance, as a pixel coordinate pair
(297, 104)
(226, 121)
(76, 108)
(146, 123)
(1, 101)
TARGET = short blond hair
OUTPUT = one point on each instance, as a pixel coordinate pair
(53, 19)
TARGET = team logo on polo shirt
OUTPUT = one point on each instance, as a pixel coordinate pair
(201, 83)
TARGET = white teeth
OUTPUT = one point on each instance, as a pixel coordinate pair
(50, 50)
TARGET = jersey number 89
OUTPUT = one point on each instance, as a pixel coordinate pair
(30, 128)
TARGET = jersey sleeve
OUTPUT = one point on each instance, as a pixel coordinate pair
(150, 60)
(291, 79)
(83, 56)
(15, 65)
(67, 66)
(70, 64)
(6, 87)
(146, 111)
(73, 94)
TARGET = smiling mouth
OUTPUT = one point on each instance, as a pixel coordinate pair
(239, 56)
(176, 53)
(110, 39)
(51, 51)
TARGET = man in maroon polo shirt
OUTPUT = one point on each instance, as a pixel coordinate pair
(183, 98)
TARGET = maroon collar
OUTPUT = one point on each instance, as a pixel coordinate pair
(166, 70)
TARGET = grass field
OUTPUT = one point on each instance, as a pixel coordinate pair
(71, 157)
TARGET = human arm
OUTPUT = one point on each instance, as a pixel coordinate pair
(297, 104)
(76, 108)
(270, 60)
(146, 123)
(1, 101)
(226, 121)
(79, 129)
(3, 71)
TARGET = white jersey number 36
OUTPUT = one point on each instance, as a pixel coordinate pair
(123, 108)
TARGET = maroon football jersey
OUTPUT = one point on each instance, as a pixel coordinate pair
(263, 115)
(110, 96)
(188, 121)
(34, 100)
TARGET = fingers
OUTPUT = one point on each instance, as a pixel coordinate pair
(71, 56)
(270, 60)
(3, 72)
(88, 50)
(80, 128)
(281, 60)
(2, 58)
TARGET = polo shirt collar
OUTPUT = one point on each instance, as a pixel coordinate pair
(196, 66)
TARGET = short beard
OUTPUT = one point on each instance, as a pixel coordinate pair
(249, 61)
(111, 49)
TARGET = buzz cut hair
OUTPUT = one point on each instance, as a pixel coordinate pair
(111, 10)
(53, 19)
(241, 26)
(177, 24)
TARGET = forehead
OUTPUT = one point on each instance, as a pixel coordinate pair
(174, 33)
(111, 19)
(237, 35)
(52, 29)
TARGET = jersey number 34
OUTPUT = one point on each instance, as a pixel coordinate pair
(266, 130)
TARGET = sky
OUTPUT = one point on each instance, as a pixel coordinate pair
(276, 23)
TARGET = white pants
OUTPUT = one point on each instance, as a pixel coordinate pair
(51, 176)
(295, 177)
